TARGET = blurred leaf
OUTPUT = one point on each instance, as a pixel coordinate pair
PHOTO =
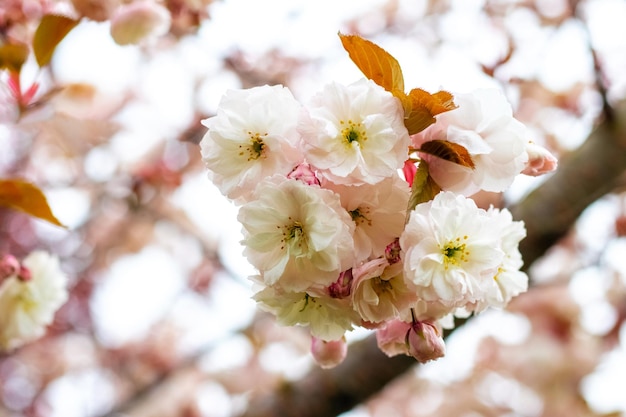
(50, 32)
(421, 107)
(13, 56)
(424, 188)
(374, 62)
(26, 197)
(449, 151)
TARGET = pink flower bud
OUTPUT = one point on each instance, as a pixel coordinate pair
(98, 10)
(134, 22)
(420, 339)
(341, 287)
(540, 160)
(620, 225)
(329, 354)
(9, 266)
(409, 169)
(24, 274)
(304, 173)
(425, 342)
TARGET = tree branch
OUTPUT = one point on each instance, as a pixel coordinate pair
(585, 175)
(330, 392)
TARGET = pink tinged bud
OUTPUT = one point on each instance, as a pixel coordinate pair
(9, 266)
(341, 288)
(409, 169)
(392, 252)
(392, 339)
(98, 10)
(540, 160)
(329, 354)
(620, 226)
(24, 274)
(425, 342)
(134, 22)
(304, 173)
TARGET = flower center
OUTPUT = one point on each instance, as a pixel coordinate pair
(294, 235)
(455, 252)
(256, 148)
(307, 298)
(294, 231)
(380, 285)
(359, 215)
(498, 273)
(353, 132)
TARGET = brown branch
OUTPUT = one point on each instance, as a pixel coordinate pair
(330, 392)
(585, 175)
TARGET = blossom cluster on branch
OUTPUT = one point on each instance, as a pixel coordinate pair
(355, 207)
(31, 292)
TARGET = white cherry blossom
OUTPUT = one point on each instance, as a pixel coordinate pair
(28, 306)
(484, 125)
(355, 134)
(296, 235)
(380, 292)
(378, 212)
(252, 136)
(508, 281)
(450, 250)
(327, 318)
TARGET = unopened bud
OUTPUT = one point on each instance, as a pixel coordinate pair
(620, 225)
(329, 354)
(24, 274)
(98, 10)
(9, 266)
(540, 160)
(140, 20)
(341, 288)
(425, 342)
(409, 169)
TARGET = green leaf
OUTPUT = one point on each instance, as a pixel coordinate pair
(424, 188)
(374, 62)
(13, 56)
(449, 151)
(26, 197)
(50, 32)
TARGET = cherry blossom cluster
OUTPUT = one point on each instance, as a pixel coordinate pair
(31, 292)
(325, 203)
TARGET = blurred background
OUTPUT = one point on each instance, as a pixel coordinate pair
(160, 322)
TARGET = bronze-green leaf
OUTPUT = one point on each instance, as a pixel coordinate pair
(424, 188)
(50, 32)
(26, 197)
(374, 62)
(449, 151)
(421, 107)
(13, 56)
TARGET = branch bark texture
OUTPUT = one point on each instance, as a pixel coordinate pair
(549, 212)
